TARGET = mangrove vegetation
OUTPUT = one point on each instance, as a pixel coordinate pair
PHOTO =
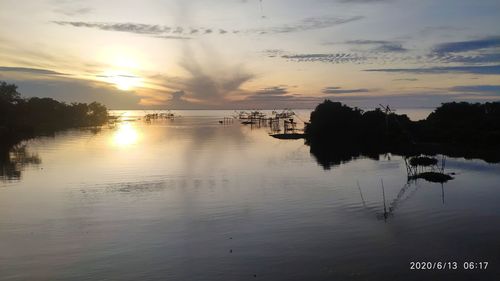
(338, 133)
(22, 118)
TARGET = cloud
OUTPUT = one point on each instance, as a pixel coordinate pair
(173, 37)
(485, 50)
(465, 59)
(482, 89)
(380, 45)
(177, 100)
(468, 69)
(120, 27)
(272, 53)
(465, 46)
(273, 91)
(30, 70)
(311, 24)
(278, 96)
(265, 98)
(119, 75)
(177, 96)
(364, 1)
(329, 58)
(406, 79)
(367, 42)
(70, 8)
(439, 30)
(387, 48)
(157, 31)
(161, 31)
(475, 56)
(339, 90)
(75, 90)
(277, 100)
(208, 82)
(72, 11)
(380, 51)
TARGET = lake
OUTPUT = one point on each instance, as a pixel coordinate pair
(191, 199)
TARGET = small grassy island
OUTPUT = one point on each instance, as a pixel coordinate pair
(337, 133)
(22, 118)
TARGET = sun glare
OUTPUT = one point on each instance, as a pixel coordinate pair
(123, 80)
(125, 135)
(122, 72)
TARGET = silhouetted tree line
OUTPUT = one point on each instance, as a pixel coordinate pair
(339, 123)
(473, 124)
(27, 117)
(337, 133)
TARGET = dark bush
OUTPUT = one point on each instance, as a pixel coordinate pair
(337, 132)
(27, 117)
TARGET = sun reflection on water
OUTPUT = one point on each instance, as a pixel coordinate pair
(126, 135)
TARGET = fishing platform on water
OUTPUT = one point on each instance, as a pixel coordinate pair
(282, 125)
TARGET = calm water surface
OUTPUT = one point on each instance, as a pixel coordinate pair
(190, 199)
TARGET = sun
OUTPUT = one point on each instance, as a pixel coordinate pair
(123, 80)
(121, 73)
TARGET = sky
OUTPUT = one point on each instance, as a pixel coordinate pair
(269, 54)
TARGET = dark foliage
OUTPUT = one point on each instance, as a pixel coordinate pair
(423, 161)
(337, 133)
(432, 177)
(333, 122)
(472, 124)
(27, 117)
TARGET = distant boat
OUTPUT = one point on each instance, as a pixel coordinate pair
(291, 136)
